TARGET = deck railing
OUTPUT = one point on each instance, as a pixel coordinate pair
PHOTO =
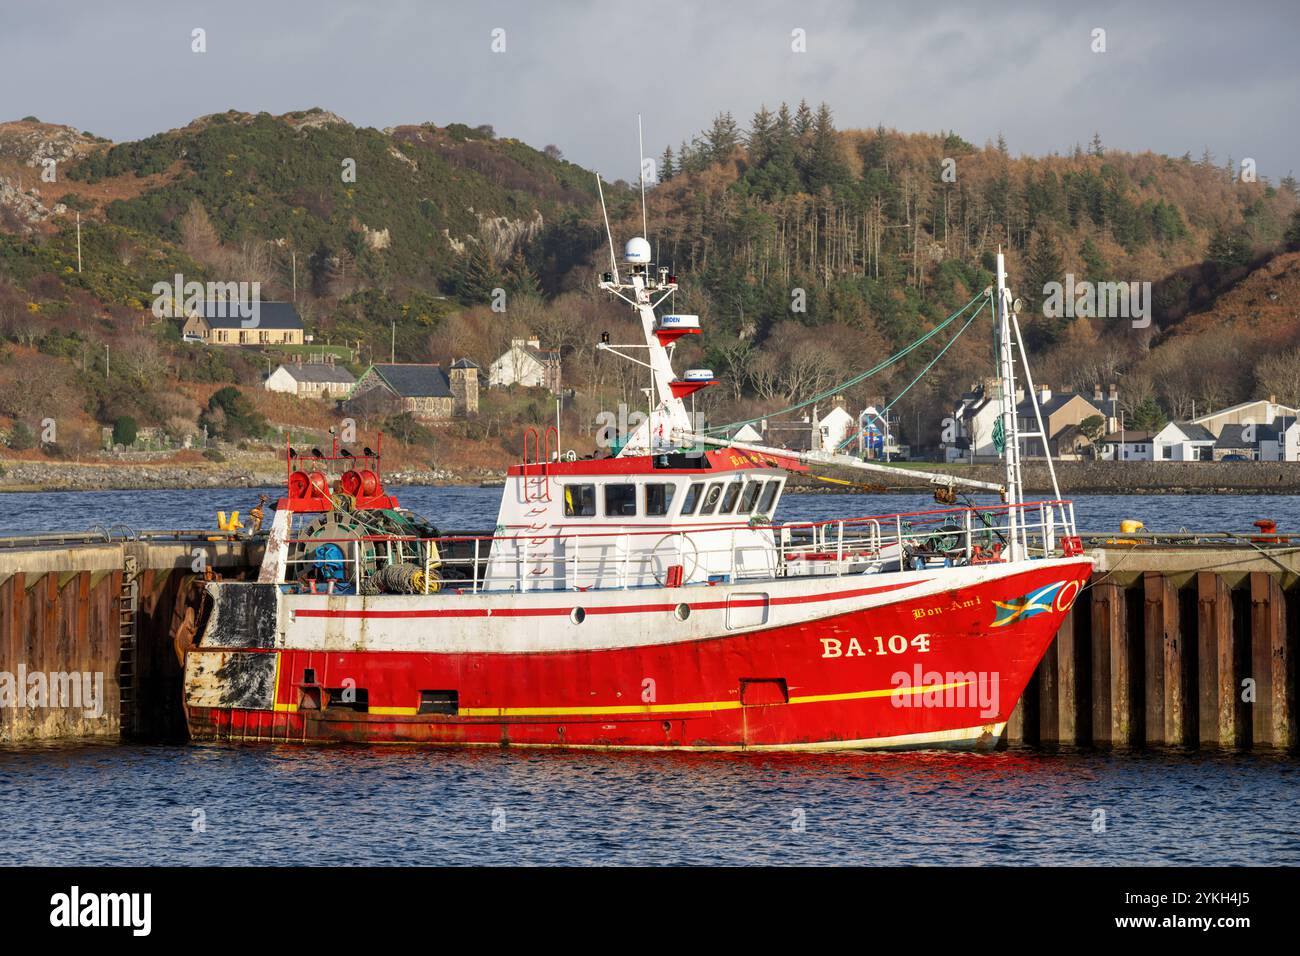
(632, 556)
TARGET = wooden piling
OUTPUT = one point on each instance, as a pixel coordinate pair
(1048, 697)
(1069, 677)
(1166, 664)
(1109, 655)
(1272, 711)
(1216, 664)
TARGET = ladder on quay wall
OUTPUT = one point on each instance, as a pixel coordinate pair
(127, 607)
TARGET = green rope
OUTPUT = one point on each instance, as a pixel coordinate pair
(896, 357)
(921, 375)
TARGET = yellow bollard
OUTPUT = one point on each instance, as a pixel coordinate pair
(1128, 526)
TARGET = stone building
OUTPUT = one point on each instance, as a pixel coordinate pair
(427, 391)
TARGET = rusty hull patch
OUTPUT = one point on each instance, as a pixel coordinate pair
(243, 615)
(230, 679)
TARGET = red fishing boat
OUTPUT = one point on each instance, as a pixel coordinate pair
(646, 599)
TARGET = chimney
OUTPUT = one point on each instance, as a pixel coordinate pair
(535, 343)
(1044, 393)
(1112, 393)
(1096, 393)
(1272, 399)
(837, 401)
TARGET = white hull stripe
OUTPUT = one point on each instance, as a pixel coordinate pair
(598, 609)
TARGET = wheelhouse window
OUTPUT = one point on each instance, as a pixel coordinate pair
(750, 497)
(620, 501)
(692, 497)
(729, 499)
(768, 500)
(659, 498)
(711, 499)
(579, 501)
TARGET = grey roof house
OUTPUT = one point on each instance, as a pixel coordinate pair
(425, 390)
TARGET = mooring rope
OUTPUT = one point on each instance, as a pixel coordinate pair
(884, 412)
(861, 377)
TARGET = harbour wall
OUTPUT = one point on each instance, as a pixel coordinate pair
(85, 633)
(1189, 645)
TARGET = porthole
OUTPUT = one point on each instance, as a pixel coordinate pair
(578, 615)
(682, 612)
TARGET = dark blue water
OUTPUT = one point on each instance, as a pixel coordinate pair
(466, 508)
(109, 804)
(348, 805)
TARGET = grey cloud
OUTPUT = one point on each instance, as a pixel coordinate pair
(1177, 76)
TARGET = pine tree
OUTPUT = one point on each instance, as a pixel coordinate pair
(776, 175)
(1291, 238)
(1002, 143)
(822, 164)
(1094, 146)
(783, 134)
(761, 138)
(666, 170)
(803, 120)
(520, 278)
(722, 138)
(1094, 264)
(1044, 267)
(477, 277)
(1228, 248)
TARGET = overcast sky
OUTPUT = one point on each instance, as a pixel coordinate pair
(1175, 77)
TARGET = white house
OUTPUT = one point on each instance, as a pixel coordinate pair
(1183, 441)
(833, 428)
(1127, 446)
(1279, 441)
(747, 433)
(311, 380)
(1259, 412)
(527, 363)
(972, 425)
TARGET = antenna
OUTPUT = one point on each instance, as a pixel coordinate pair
(640, 147)
(613, 259)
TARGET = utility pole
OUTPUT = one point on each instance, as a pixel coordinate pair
(392, 348)
(293, 257)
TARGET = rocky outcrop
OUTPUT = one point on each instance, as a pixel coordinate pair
(24, 205)
(501, 235)
(31, 143)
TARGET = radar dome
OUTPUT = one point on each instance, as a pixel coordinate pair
(637, 251)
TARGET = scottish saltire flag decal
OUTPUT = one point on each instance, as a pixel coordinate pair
(1035, 602)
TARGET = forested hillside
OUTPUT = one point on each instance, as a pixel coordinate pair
(809, 252)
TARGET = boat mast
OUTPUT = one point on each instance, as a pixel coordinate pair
(642, 289)
(1010, 431)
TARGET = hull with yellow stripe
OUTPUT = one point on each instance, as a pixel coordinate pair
(907, 659)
